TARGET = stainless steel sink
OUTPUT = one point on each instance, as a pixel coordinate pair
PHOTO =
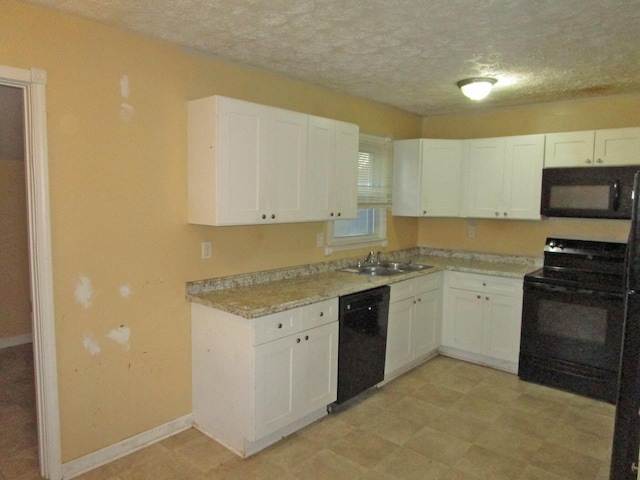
(386, 268)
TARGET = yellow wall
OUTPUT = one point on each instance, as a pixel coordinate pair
(15, 305)
(527, 237)
(122, 250)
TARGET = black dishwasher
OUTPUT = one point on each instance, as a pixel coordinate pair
(362, 341)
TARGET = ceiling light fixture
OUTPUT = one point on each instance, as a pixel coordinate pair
(476, 88)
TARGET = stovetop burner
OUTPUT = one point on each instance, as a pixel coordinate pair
(583, 264)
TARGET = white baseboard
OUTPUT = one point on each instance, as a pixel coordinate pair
(14, 341)
(510, 367)
(118, 450)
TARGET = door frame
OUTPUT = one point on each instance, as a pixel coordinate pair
(33, 84)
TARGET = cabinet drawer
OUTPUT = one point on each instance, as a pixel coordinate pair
(319, 313)
(485, 283)
(278, 325)
(401, 290)
(427, 283)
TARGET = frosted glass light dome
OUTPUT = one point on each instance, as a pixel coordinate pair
(476, 88)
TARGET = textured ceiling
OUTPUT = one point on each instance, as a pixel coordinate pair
(406, 53)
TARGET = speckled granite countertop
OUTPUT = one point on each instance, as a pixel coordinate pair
(264, 293)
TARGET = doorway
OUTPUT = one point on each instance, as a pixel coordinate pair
(31, 84)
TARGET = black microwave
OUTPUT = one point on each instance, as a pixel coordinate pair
(588, 192)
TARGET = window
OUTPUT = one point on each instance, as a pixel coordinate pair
(374, 195)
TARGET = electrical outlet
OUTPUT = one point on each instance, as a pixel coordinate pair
(205, 248)
(320, 239)
(471, 231)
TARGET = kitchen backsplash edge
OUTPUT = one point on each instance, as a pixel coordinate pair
(222, 283)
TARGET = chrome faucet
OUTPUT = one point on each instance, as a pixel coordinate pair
(369, 258)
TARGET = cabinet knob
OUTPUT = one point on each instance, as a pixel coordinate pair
(264, 216)
(600, 160)
(297, 340)
(588, 161)
(273, 215)
(306, 337)
(279, 325)
(505, 214)
(424, 212)
(419, 299)
(497, 214)
(484, 284)
(322, 314)
(331, 214)
(479, 297)
(486, 298)
(339, 214)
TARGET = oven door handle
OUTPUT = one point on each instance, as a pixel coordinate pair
(580, 291)
(616, 195)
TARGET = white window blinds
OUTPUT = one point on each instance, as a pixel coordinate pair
(375, 170)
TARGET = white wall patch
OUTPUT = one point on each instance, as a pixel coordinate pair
(125, 291)
(90, 344)
(126, 112)
(124, 86)
(121, 335)
(84, 291)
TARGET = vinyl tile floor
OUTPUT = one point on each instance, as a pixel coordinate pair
(445, 420)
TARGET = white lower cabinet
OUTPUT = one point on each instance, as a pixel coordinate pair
(482, 317)
(255, 381)
(415, 316)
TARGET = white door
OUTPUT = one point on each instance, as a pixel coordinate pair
(524, 161)
(345, 171)
(321, 345)
(502, 327)
(428, 315)
(286, 165)
(484, 168)
(464, 324)
(569, 149)
(617, 146)
(241, 182)
(399, 343)
(276, 393)
(441, 177)
(320, 160)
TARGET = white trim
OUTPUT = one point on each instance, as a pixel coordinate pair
(126, 447)
(377, 239)
(15, 340)
(33, 84)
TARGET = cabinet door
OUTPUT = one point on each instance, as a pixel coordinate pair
(524, 159)
(569, 149)
(502, 327)
(463, 328)
(286, 166)
(345, 171)
(617, 146)
(407, 178)
(484, 169)
(399, 343)
(321, 157)
(441, 177)
(277, 392)
(321, 375)
(241, 178)
(425, 333)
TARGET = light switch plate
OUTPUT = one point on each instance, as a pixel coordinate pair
(205, 250)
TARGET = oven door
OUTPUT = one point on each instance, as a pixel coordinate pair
(571, 338)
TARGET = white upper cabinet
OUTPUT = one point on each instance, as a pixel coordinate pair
(332, 189)
(617, 146)
(427, 175)
(504, 177)
(254, 164)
